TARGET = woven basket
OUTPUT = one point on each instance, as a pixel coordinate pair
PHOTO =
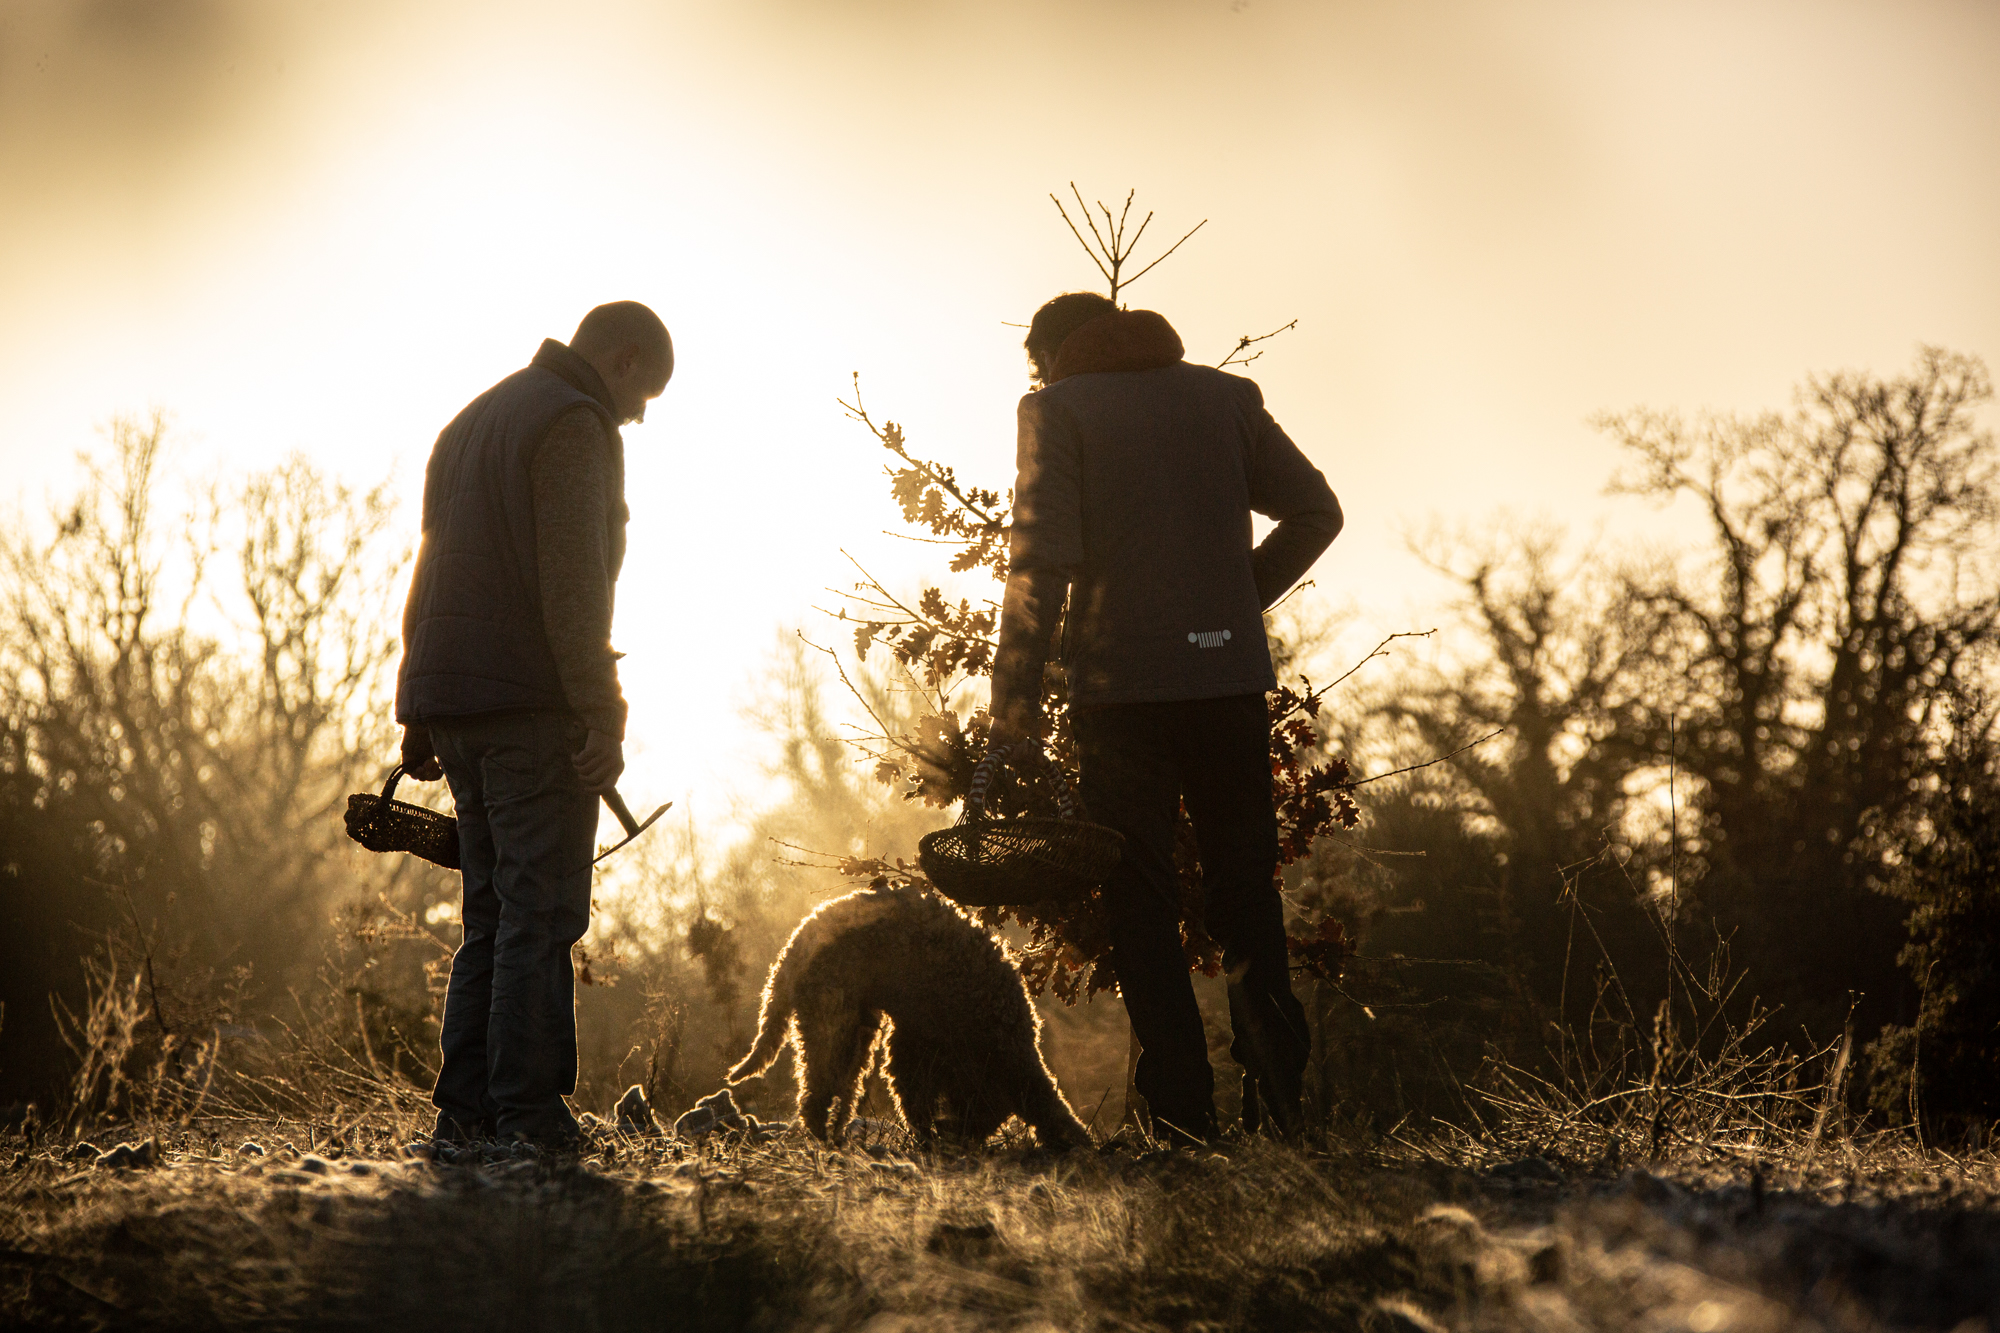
(985, 862)
(385, 824)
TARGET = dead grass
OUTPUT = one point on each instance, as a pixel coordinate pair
(653, 1233)
(1688, 1176)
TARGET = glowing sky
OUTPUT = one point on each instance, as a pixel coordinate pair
(326, 226)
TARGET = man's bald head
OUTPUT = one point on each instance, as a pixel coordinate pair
(629, 346)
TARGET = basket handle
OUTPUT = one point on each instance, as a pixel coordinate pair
(389, 787)
(983, 773)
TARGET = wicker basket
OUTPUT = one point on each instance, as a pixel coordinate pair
(385, 824)
(985, 862)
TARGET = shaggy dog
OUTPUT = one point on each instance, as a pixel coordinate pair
(962, 1031)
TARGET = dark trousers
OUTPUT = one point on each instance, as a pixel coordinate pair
(525, 833)
(1139, 764)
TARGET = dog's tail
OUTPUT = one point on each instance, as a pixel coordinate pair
(773, 1024)
(774, 1021)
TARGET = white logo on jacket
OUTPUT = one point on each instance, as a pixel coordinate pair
(1212, 638)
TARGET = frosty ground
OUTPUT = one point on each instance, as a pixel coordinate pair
(324, 1232)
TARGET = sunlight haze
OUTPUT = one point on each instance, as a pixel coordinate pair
(325, 228)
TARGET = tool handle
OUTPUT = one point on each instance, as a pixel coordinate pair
(625, 820)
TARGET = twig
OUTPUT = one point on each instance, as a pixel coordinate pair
(1313, 696)
(1290, 593)
(858, 412)
(1375, 652)
(1170, 249)
(891, 602)
(1368, 852)
(1111, 247)
(1246, 342)
(1079, 235)
(1429, 762)
(858, 698)
(930, 541)
(834, 857)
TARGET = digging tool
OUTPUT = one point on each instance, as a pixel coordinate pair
(633, 828)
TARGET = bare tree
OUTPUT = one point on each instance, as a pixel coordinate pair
(1565, 665)
(1850, 581)
(1786, 677)
(189, 777)
(1108, 248)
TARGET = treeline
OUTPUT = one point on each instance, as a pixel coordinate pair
(1746, 782)
(191, 679)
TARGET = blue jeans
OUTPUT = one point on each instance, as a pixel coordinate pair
(525, 832)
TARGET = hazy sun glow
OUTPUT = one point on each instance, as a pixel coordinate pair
(326, 231)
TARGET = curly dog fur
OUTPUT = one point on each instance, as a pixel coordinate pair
(962, 1030)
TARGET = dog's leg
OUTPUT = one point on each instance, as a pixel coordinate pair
(1041, 1103)
(974, 1094)
(913, 1078)
(982, 1119)
(1056, 1125)
(836, 1047)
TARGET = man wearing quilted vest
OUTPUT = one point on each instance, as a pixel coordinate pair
(509, 690)
(1138, 474)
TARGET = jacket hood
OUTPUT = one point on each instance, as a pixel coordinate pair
(1120, 340)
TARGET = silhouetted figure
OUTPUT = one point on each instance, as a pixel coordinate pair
(1138, 474)
(509, 690)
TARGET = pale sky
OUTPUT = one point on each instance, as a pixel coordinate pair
(326, 226)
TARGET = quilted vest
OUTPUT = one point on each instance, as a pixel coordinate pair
(473, 636)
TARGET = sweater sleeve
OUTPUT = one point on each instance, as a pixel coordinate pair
(571, 477)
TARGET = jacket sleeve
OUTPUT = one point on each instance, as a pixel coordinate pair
(1048, 498)
(572, 485)
(1285, 485)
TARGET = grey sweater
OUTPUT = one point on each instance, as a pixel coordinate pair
(572, 481)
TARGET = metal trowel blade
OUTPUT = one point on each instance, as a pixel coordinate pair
(632, 830)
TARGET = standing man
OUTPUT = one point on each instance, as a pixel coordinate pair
(509, 690)
(1138, 476)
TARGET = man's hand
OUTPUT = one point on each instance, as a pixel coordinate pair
(1013, 724)
(419, 760)
(599, 762)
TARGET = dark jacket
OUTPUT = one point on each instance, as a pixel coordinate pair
(1138, 476)
(474, 639)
